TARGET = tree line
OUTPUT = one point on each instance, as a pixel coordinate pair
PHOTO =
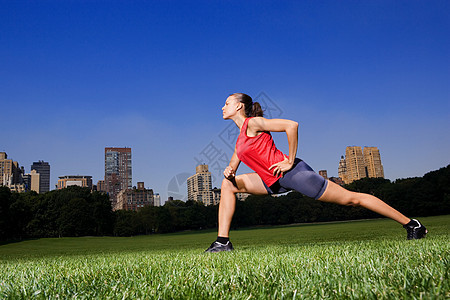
(77, 211)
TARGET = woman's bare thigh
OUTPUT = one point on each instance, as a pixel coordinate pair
(250, 183)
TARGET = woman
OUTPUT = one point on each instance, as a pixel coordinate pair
(278, 173)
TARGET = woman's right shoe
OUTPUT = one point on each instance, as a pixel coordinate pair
(415, 230)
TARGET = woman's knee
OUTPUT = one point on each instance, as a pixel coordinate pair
(347, 198)
(353, 199)
(228, 185)
(337, 194)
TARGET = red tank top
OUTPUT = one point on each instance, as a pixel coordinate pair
(259, 153)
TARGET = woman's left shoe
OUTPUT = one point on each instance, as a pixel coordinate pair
(218, 247)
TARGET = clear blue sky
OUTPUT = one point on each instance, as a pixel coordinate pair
(79, 76)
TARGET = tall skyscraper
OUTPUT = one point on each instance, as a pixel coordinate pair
(342, 169)
(355, 163)
(43, 169)
(372, 159)
(200, 187)
(360, 163)
(35, 181)
(9, 170)
(117, 171)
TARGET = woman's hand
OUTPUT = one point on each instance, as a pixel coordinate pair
(229, 173)
(281, 167)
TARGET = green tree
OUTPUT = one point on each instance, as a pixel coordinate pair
(102, 213)
(127, 223)
(5, 202)
(76, 218)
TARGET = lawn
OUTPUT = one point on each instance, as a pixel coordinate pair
(360, 259)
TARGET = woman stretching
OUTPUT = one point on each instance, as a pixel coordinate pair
(277, 173)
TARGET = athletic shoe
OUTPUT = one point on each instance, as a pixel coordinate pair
(218, 247)
(415, 230)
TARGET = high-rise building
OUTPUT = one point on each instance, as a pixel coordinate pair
(323, 173)
(342, 169)
(78, 180)
(355, 163)
(10, 172)
(359, 164)
(337, 180)
(216, 195)
(135, 198)
(35, 181)
(117, 171)
(372, 159)
(200, 187)
(242, 196)
(156, 199)
(27, 181)
(43, 169)
(101, 186)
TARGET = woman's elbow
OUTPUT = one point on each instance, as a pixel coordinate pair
(294, 125)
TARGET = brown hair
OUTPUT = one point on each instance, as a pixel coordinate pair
(252, 109)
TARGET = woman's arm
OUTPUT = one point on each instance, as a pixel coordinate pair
(230, 171)
(259, 124)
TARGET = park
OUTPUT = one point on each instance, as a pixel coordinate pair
(84, 82)
(368, 259)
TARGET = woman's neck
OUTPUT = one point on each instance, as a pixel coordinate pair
(239, 120)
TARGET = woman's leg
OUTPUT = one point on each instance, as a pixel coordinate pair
(247, 183)
(337, 194)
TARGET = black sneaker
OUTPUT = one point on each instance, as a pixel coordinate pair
(415, 230)
(218, 247)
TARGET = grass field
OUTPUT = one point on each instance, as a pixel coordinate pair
(360, 259)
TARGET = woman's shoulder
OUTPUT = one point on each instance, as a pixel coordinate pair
(255, 120)
(262, 124)
(255, 125)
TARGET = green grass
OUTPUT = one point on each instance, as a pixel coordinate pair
(361, 259)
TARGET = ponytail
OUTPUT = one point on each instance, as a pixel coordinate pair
(257, 110)
(252, 109)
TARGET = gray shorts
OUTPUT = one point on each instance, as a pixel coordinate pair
(300, 178)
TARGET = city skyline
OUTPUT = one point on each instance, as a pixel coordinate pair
(367, 159)
(81, 76)
(370, 168)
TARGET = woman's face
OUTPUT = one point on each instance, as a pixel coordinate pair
(230, 108)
